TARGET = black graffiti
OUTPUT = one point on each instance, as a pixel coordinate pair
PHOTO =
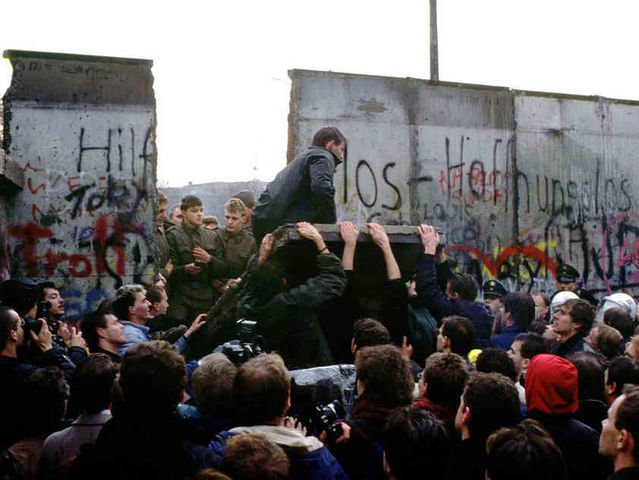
(370, 197)
(364, 163)
(571, 200)
(118, 143)
(121, 195)
(398, 202)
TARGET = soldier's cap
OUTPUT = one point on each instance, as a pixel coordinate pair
(494, 289)
(567, 273)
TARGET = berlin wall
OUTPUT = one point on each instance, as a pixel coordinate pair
(82, 132)
(518, 181)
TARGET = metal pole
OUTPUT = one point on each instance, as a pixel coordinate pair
(434, 55)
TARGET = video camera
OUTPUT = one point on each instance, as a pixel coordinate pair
(34, 324)
(248, 344)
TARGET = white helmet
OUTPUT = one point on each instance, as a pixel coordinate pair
(620, 300)
(559, 299)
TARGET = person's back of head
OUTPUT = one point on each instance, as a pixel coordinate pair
(460, 333)
(212, 385)
(590, 371)
(494, 360)
(261, 390)
(251, 455)
(93, 383)
(445, 375)
(9, 322)
(368, 332)
(521, 307)
(621, 371)
(152, 378)
(267, 280)
(19, 294)
(415, 443)
(609, 341)
(524, 451)
(46, 396)
(489, 402)
(464, 285)
(385, 375)
(619, 318)
(532, 344)
(552, 386)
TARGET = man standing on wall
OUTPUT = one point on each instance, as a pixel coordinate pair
(191, 250)
(304, 190)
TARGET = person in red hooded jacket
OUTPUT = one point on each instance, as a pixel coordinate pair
(552, 400)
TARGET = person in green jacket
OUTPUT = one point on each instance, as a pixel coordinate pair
(235, 246)
(287, 318)
(191, 249)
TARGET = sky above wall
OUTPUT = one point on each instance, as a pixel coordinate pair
(221, 68)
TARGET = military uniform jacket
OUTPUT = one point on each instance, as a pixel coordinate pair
(182, 240)
(163, 254)
(232, 253)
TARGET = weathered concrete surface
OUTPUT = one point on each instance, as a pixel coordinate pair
(518, 181)
(82, 131)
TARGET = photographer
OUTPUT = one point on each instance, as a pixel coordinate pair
(262, 393)
(51, 308)
(36, 341)
(14, 373)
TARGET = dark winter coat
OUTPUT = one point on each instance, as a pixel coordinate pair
(431, 295)
(302, 191)
(288, 321)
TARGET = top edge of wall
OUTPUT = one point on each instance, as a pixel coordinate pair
(13, 54)
(297, 73)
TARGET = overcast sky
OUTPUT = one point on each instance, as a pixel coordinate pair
(220, 67)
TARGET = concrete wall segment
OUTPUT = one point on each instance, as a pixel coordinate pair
(519, 181)
(82, 131)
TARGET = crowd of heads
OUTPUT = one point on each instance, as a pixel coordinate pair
(560, 377)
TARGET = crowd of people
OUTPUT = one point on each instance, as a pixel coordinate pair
(451, 379)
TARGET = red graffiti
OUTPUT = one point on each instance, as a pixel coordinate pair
(29, 235)
(109, 236)
(101, 236)
(494, 267)
(628, 254)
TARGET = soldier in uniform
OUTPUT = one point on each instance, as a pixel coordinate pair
(235, 246)
(191, 248)
(494, 293)
(568, 281)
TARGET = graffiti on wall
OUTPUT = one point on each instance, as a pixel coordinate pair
(85, 221)
(475, 193)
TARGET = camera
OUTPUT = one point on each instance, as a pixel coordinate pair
(323, 418)
(248, 344)
(31, 324)
(35, 325)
